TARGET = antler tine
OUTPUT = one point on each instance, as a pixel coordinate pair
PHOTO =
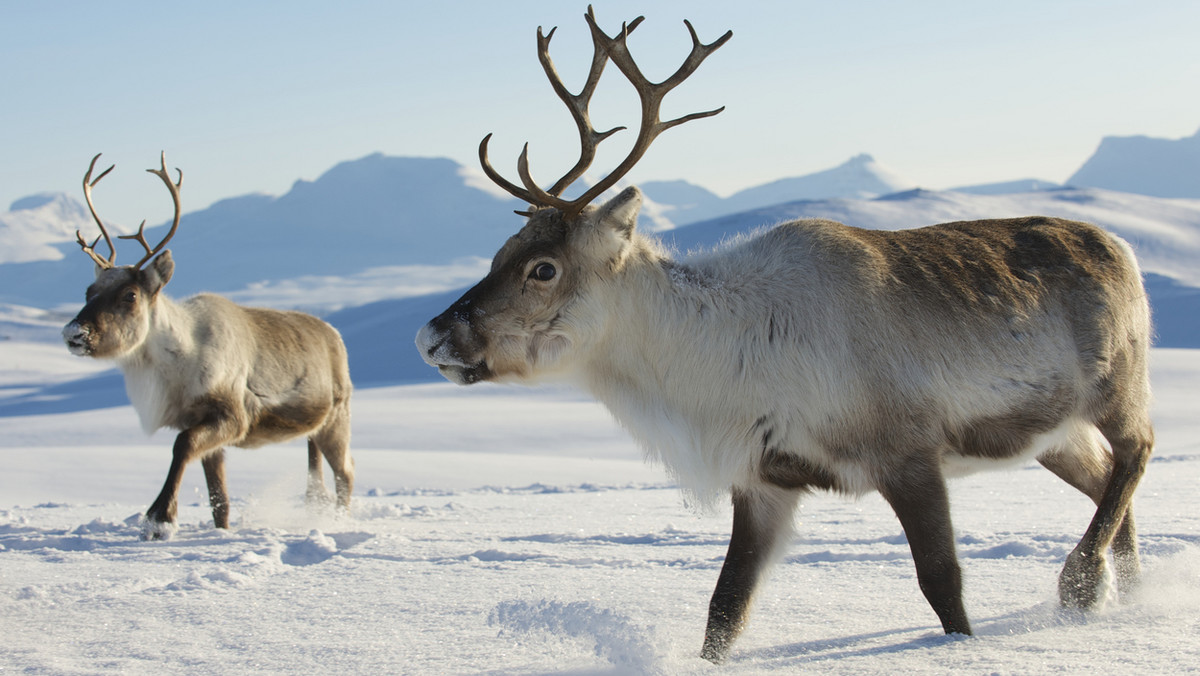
(174, 188)
(519, 193)
(651, 96)
(578, 104)
(88, 183)
(539, 196)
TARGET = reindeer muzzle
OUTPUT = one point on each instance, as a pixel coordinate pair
(79, 338)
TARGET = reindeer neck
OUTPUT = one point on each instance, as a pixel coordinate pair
(167, 339)
(668, 319)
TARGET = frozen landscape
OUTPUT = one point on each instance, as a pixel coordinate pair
(514, 531)
(517, 531)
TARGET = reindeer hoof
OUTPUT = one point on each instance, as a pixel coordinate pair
(158, 530)
(716, 650)
(1086, 583)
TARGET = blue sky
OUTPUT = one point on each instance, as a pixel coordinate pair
(249, 97)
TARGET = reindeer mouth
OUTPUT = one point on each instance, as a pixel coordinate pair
(438, 350)
(78, 348)
(465, 375)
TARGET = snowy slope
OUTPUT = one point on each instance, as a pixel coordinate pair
(1008, 187)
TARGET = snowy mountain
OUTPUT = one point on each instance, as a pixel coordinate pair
(366, 214)
(34, 225)
(1144, 165)
(860, 177)
(381, 219)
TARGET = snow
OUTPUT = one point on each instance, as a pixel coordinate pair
(516, 531)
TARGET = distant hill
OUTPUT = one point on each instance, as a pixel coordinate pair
(1144, 165)
(376, 211)
(372, 212)
(860, 177)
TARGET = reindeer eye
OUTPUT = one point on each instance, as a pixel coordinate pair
(543, 272)
(130, 296)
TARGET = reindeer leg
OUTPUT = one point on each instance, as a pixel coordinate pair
(315, 493)
(1082, 578)
(760, 517)
(921, 503)
(1086, 465)
(333, 441)
(218, 496)
(192, 443)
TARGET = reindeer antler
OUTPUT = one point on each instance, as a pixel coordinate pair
(141, 233)
(650, 94)
(88, 183)
(90, 250)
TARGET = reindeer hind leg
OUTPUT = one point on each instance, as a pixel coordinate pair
(1085, 464)
(1080, 584)
(922, 505)
(333, 442)
(315, 493)
(218, 494)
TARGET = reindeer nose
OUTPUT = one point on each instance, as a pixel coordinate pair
(75, 335)
(433, 344)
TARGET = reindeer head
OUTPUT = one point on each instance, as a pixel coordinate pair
(116, 318)
(540, 305)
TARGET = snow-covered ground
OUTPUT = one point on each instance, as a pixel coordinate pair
(512, 531)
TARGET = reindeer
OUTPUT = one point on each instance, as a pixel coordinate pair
(815, 355)
(220, 373)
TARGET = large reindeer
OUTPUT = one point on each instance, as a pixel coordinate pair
(220, 373)
(816, 355)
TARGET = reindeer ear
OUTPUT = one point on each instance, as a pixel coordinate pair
(159, 272)
(621, 212)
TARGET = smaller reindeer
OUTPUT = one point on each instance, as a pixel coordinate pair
(220, 373)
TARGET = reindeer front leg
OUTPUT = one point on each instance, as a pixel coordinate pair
(194, 442)
(760, 517)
